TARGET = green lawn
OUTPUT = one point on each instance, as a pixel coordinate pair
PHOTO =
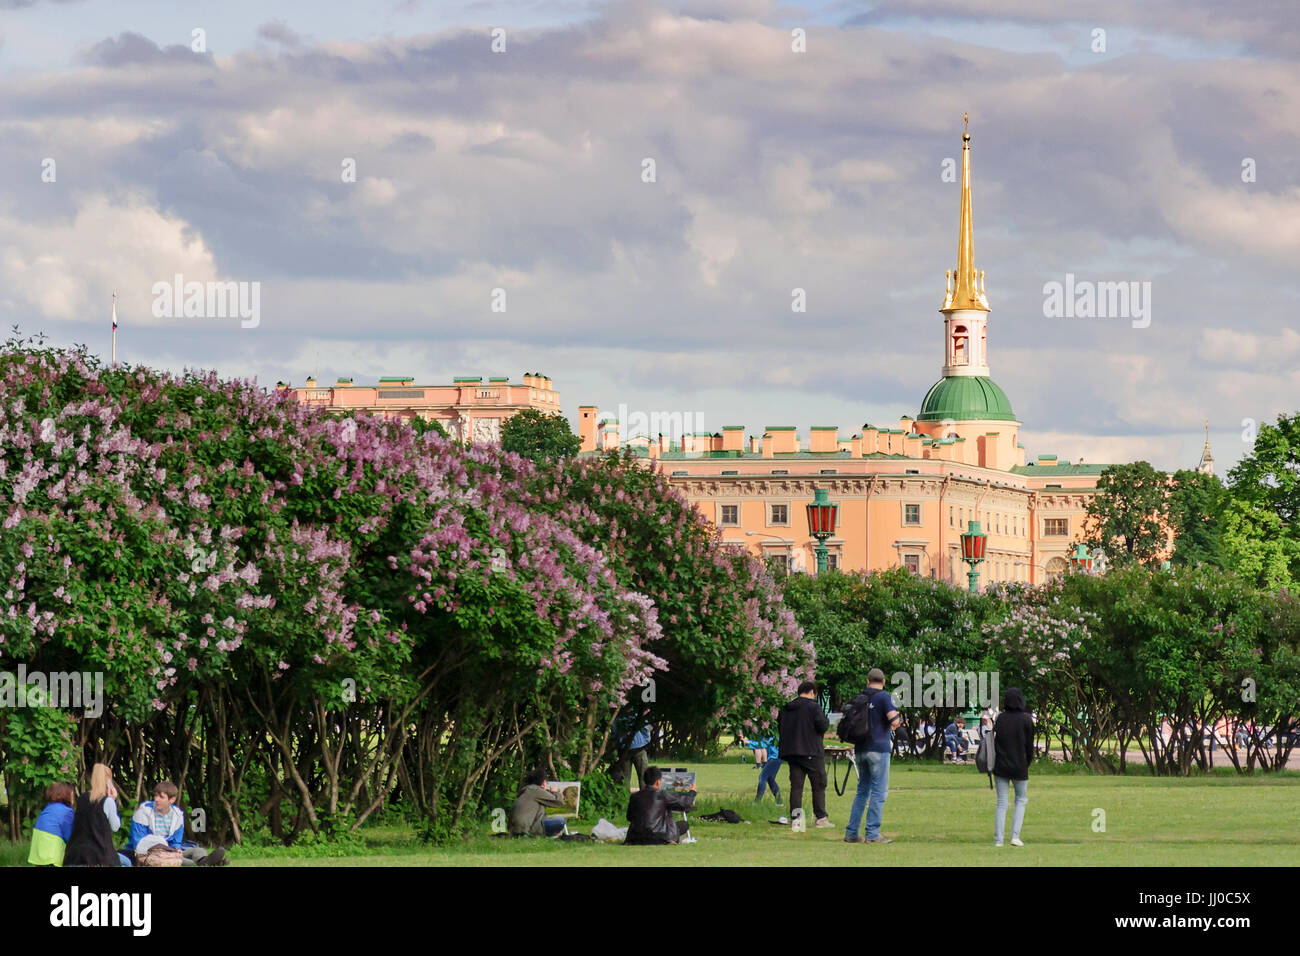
(939, 816)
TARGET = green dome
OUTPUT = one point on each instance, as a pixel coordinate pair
(966, 398)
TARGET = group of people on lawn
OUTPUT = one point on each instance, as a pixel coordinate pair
(802, 725)
(76, 829)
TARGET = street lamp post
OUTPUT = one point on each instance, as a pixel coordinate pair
(972, 552)
(776, 537)
(1081, 560)
(821, 524)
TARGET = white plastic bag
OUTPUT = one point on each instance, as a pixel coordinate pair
(604, 830)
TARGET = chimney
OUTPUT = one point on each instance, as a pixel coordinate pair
(783, 439)
(733, 438)
(755, 445)
(823, 440)
(586, 426)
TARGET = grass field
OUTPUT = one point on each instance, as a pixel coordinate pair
(940, 816)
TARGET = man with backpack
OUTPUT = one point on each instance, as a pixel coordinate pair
(868, 723)
(800, 726)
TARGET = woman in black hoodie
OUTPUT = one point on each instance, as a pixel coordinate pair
(1013, 749)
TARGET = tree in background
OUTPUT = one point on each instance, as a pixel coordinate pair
(1126, 516)
(539, 436)
(1195, 513)
(1255, 545)
(1268, 479)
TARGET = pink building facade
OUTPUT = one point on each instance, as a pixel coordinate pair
(470, 409)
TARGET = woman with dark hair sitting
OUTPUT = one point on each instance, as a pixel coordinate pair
(528, 814)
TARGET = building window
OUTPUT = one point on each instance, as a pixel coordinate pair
(912, 562)
(951, 519)
(911, 514)
(730, 514)
(1056, 527)
(780, 514)
(777, 562)
(833, 561)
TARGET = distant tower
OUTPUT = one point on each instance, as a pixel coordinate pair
(965, 307)
(966, 405)
(1206, 465)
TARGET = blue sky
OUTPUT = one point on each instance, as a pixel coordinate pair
(776, 170)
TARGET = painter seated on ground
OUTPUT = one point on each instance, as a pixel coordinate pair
(650, 810)
(528, 813)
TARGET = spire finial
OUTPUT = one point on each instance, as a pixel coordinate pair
(967, 290)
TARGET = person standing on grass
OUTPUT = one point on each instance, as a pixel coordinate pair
(767, 757)
(871, 754)
(800, 727)
(1013, 751)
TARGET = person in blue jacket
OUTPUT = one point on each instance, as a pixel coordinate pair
(767, 769)
(53, 826)
(163, 818)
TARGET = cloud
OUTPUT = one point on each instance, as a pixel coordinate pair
(277, 31)
(128, 49)
(775, 171)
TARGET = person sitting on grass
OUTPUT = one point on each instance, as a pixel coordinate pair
(53, 826)
(955, 738)
(528, 813)
(161, 817)
(650, 813)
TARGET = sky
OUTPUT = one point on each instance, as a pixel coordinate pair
(1152, 144)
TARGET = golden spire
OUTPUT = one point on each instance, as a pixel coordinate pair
(966, 288)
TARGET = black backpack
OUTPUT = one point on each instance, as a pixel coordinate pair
(986, 755)
(855, 723)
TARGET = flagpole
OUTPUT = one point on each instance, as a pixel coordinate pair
(115, 328)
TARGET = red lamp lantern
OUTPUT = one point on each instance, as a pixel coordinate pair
(972, 552)
(1081, 560)
(822, 515)
(821, 524)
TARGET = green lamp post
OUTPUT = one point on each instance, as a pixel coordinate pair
(1081, 560)
(821, 524)
(972, 552)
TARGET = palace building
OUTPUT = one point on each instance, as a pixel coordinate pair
(905, 493)
(469, 409)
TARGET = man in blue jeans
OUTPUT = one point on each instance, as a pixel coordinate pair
(872, 757)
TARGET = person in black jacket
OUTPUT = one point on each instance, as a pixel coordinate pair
(1013, 750)
(91, 841)
(801, 725)
(650, 813)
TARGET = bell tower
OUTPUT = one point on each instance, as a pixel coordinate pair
(965, 307)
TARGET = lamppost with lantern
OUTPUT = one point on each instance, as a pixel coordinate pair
(1081, 560)
(821, 524)
(972, 552)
